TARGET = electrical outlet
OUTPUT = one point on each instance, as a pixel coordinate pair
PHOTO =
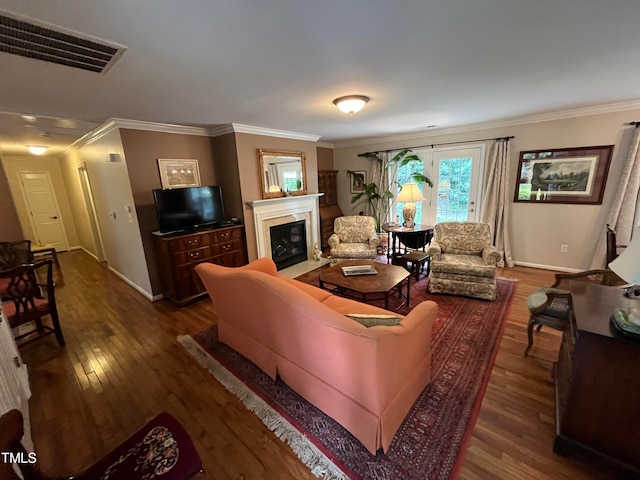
(564, 248)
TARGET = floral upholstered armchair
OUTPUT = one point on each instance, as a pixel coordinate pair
(354, 237)
(463, 260)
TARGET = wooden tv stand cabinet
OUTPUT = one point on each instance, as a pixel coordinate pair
(178, 254)
(597, 378)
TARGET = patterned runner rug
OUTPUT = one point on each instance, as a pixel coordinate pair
(430, 443)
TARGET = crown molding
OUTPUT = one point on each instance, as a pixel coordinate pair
(220, 130)
(506, 122)
(93, 135)
(270, 132)
(160, 127)
(214, 131)
(116, 123)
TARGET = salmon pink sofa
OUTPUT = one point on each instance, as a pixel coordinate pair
(366, 379)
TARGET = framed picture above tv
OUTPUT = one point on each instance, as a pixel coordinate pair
(563, 175)
(175, 173)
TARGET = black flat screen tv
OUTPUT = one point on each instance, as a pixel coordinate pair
(188, 208)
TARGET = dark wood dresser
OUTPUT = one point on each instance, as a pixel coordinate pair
(177, 255)
(329, 208)
(597, 379)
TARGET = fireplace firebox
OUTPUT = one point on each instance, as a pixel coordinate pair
(288, 244)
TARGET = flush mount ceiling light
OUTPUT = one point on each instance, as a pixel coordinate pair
(37, 150)
(351, 103)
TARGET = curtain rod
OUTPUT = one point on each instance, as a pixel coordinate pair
(446, 143)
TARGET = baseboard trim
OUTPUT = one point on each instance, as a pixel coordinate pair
(548, 267)
(87, 252)
(139, 289)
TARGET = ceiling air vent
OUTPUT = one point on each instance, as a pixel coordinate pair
(51, 44)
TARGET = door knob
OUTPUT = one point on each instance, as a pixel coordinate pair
(54, 218)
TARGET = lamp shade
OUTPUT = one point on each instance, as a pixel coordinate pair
(627, 265)
(351, 103)
(409, 193)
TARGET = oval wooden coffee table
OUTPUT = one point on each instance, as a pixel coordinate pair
(390, 279)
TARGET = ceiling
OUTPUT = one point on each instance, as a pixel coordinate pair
(278, 64)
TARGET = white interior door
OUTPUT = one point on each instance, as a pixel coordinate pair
(43, 207)
(91, 212)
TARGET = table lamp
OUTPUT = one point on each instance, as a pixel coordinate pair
(627, 265)
(409, 193)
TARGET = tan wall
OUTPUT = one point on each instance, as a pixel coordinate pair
(325, 158)
(142, 150)
(69, 164)
(13, 165)
(113, 195)
(247, 145)
(537, 230)
(11, 229)
(225, 156)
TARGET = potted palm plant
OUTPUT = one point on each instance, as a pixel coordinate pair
(380, 192)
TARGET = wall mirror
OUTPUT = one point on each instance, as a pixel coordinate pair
(282, 173)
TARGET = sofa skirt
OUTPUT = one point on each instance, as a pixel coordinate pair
(484, 288)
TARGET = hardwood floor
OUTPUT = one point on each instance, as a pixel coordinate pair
(122, 365)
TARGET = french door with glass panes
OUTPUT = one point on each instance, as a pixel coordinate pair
(456, 173)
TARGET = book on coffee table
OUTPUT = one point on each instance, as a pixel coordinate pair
(358, 270)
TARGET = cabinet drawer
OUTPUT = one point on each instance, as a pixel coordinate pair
(225, 235)
(231, 259)
(188, 256)
(226, 247)
(188, 282)
(187, 243)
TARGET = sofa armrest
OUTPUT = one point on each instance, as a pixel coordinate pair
(374, 239)
(491, 255)
(334, 240)
(435, 250)
(264, 265)
(408, 345)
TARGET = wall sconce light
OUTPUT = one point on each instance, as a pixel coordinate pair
(37, 150)
(351, 103)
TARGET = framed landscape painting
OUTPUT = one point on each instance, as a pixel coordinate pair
(176, 173)
(565, 175)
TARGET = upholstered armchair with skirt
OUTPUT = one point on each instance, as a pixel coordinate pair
(463, 260)
(354, 237)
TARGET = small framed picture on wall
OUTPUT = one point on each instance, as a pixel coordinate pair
(358, 181)
(176, 173)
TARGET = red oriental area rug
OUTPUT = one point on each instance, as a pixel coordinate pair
(430, 443)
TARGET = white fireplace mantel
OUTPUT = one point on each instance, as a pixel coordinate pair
(270, 201)
(277, 211)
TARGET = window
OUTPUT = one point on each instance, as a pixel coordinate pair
(456, 173)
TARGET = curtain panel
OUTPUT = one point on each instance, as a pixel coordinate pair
(496, 204)
(623, 216)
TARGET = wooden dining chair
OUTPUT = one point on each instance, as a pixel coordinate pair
(552, 306)
(28, 300)
(15, 253)
(12, 255)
